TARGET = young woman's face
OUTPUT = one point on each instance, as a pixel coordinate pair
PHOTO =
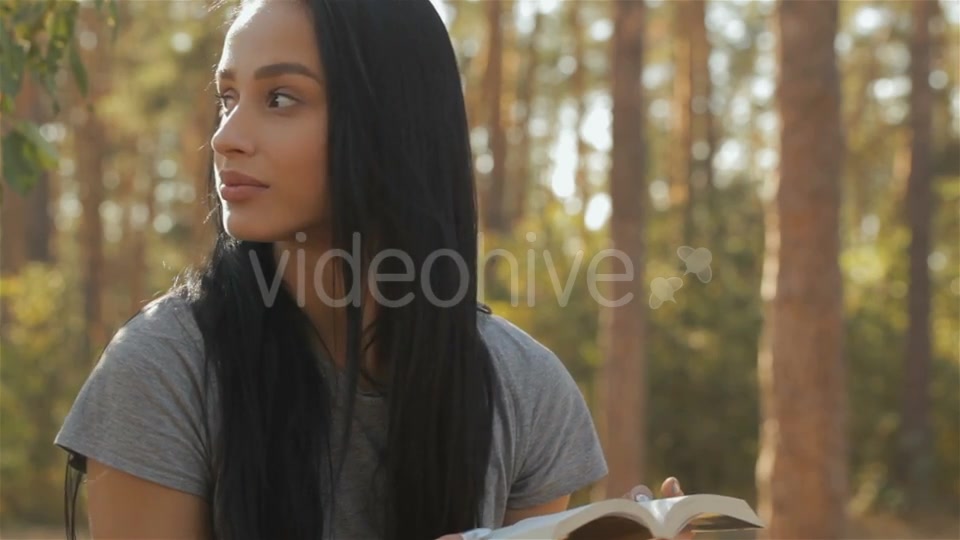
(270, 150)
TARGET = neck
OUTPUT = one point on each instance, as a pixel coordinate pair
(319, 291)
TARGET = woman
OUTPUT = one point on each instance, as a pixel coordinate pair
(329, 374)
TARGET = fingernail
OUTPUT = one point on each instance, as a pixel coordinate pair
(640, 497)
(670, 486)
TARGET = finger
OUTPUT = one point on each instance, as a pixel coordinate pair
(671, 487)
(639, 493)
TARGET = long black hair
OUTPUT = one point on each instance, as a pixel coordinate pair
(400, 177)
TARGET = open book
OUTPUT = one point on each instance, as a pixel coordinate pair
(623, 519)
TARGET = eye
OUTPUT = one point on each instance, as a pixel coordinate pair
(221, 102)
(279, 96)
(223, 106)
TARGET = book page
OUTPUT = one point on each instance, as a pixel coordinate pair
(613, 515)
(710, 513)
(623, 519)
(661, 508)
(534, 527)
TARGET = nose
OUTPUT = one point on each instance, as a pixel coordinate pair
(231, 136)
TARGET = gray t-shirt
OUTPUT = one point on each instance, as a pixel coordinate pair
(141, 411)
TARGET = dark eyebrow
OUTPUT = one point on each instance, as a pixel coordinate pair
(273, 70)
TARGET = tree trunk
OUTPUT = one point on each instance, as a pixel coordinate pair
(701, 169)
(40, 227)
(130, 199)
(40, 222)
(90, 178)
(139, 294)
(517, 189)
(26, 226)
(623, 395)
(692, 119)
(680, 164)
(493, 202)
(90, 148)
(803, 455)
(197, 163)
(15, 218)
(859, 162)
(915, 438)
(578, 89)
(13, 224)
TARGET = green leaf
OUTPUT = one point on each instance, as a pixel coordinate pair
(52, 61)
(40, 148)
(112, 14)
(20, 173)
(63, 27)
(114, 19)
(68, 22)
(49, 83)
(26, 155)
(61, 31)
(55, 103)
(30, 13)
(12, 57)
(79, 71)
(6, 104)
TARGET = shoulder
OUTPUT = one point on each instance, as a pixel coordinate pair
(517, 354)
(529, 372)
(144, 398)
(549, 437)
(161, 341)
(166, 318)
(166, 322)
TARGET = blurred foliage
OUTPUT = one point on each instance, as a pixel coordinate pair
(37, 37)
(39, 375)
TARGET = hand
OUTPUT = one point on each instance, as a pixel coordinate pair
(669, 488)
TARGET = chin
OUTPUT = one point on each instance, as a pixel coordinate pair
(257, 229)
(250, 231)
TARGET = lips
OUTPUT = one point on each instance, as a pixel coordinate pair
(237, 187)
(236, 178)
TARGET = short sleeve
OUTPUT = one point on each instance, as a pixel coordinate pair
(558, 450)
(141, 408)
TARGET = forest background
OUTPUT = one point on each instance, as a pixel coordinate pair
(812, 148)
